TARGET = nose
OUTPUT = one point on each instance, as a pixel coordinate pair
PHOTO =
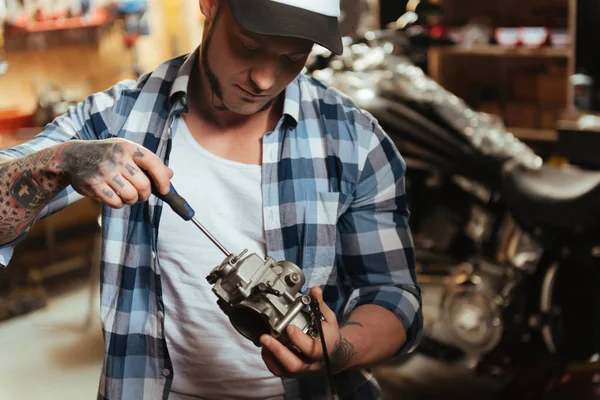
(264, 75)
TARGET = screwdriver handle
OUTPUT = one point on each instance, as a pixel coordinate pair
(174, 200)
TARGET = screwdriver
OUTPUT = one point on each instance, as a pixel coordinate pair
(184, 210)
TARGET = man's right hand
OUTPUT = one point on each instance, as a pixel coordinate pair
(112, 170)
(108, 170)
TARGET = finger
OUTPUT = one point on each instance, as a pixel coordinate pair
(146, 160)
(308, 346)
(288, 360)
(124, 189)
(325, 310)
(271, 362)
(108, 196)
(138, 180)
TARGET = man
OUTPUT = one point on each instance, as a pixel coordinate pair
(272, 161)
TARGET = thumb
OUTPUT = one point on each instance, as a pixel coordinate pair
(325, 310)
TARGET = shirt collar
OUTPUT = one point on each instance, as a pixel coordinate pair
(291, 105)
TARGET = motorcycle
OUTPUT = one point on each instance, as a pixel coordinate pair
(514, 243)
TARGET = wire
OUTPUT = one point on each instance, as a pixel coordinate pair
(316, 310)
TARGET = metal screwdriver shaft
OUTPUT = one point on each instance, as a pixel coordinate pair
(210, 236)
(185, 211)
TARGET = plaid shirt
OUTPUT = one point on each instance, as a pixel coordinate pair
(334, 204)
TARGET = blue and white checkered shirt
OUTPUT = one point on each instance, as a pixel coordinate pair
(334, 204)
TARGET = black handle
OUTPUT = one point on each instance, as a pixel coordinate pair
(174, 200)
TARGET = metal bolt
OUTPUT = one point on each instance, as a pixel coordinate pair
(292, 279)
(305, 299)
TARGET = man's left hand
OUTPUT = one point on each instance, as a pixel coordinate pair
(282, 362)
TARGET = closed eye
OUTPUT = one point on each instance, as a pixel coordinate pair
(250, 46)
(295, 57)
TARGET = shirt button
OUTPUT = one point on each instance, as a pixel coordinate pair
(166, 372)
(184, 101)
(154, 255)
(160, 315)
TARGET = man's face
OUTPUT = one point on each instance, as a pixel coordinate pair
(248, 71)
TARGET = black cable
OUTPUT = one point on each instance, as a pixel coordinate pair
(316, 310)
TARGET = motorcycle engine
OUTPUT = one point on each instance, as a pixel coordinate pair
(472, 305)
(261, 296)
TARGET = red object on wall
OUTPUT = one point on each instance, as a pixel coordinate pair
(27, 23)
(13, 119)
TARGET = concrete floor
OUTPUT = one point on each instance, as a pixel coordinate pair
(52, 353)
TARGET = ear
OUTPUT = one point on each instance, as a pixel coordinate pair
(209, 9)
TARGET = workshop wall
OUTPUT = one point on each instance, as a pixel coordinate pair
(87, 69)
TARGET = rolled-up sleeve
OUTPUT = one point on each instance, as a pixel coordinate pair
(376, 247)
(91, 119)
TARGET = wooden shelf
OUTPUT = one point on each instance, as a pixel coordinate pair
(503, 51)
(539, 135)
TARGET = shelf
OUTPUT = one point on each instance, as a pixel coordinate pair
(27, 34)
(503, 51)
(539, 135)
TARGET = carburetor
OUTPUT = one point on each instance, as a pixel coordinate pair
(262, 296)
(259, 296)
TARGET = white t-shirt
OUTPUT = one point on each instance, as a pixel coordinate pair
(211, 360)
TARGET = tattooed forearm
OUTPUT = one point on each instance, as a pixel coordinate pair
(342, 354)
(27, 184)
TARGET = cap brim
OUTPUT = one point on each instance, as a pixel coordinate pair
(272, 18)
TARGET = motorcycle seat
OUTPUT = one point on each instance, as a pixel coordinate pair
(563, 201)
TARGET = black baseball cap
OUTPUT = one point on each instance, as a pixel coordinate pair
(314, 20)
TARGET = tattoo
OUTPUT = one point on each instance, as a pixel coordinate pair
(85, 162)
(131, 169)
(342, 354)
(138, 153)
(351, 323)
(117, 179)
(28, 192)
(27, 184)
(107, 193)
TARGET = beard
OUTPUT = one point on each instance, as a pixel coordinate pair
(215, 84)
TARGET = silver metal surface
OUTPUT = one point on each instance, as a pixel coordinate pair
(262, 296)
(366, 70)
(211, 237)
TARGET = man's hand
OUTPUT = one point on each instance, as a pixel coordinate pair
(111, 170)
(282, 362)
(108, 170)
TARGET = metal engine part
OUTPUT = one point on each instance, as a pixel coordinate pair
(262, 296)
(471, 308)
